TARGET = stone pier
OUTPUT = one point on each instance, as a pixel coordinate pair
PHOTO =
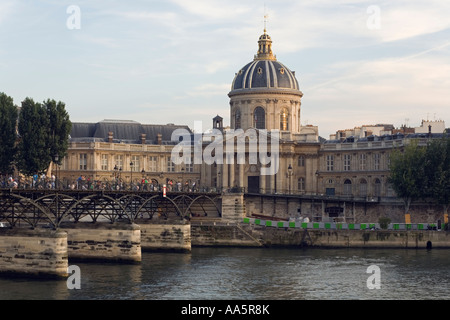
(33, 252)
(103, 241)
(165, 235)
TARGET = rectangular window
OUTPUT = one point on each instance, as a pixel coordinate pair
(362, 162)
(347, 162)
(118, 162)
(376, 161)
(188, 164)
(170, 165)
(83, 161)
(104, 162)
(152, 163)
(135, 164)
(330, 163)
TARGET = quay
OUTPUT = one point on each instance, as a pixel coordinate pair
(43, 230)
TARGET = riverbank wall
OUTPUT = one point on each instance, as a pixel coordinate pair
(276, 234)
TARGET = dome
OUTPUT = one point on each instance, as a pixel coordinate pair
(264, 72)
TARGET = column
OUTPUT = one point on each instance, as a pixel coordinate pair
(225, 176)
(262, 183)
(241, 175)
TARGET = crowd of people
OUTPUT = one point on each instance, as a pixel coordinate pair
(86, 183)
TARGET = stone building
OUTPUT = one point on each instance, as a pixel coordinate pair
(126, 150)
(341, 179)
(265, 97)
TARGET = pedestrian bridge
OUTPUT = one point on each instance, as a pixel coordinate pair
(50, 207)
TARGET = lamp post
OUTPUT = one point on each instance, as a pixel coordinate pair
(56, 157)
(289, 175)
(131, 177)
(182, 179)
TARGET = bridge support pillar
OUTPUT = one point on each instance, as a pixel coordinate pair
(103, 241)
(165, 235)
(33, 252)
(233, 207)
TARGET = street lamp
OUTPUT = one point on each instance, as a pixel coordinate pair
(143, 179)
(290, 174)
(56, 157)
(182, 179)
(131, 169)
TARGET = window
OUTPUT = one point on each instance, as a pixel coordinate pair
(237, 119)
(152, 163)
(347, 187)
(135, 164)
(347, 162)
(301, 161)
(362, 162)
(259, 118)
(362, 188)
(376, 161)
(330, 163)
(377, 189)
(83, 161)
(104, 162)
(118, 161)
(301, 184)
(170, 165)
(189, 166)
(284, 120)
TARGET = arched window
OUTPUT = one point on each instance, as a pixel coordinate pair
(284, 120)
(237, 119)
(301, 161)
(377, 189)
(259, 118)
(347, 187)
(363, 188)
(301, 184)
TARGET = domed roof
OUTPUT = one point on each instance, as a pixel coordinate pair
(264, 72)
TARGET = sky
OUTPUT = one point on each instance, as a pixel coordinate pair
(157, 62)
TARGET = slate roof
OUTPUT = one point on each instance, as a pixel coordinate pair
(123, 131)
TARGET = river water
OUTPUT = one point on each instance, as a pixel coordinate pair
(253, 274)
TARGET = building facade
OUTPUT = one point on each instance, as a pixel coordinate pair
(265, 102)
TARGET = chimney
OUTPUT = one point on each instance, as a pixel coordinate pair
(159, 138)
(143, 135)
(110, 136)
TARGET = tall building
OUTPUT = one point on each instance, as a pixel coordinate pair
(341, 179)
(265, 97)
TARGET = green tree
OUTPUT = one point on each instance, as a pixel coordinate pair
(407, 173)
(33, 148)
(8, 121)
(59, 128)
(437, 172)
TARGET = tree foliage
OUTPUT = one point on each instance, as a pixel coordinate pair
(437, 172)
(43, 130)
(407, 173)
(59, 128)
(8, 120)
(422, 172)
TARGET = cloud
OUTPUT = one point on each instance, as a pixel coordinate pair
(381, 91)
(210, 89)
(6, 9)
